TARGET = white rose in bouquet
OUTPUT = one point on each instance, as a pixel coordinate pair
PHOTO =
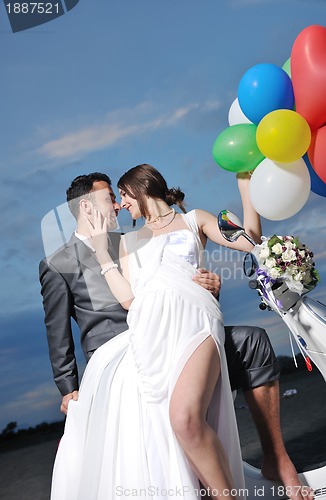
(286, 258)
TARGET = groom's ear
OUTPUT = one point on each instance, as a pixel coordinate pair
(86, 206)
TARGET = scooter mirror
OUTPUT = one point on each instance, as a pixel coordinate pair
(230, 225)
(249, 265)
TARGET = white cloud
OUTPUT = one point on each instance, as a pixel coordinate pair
(33, 406)
(118, 125)
(86, 140)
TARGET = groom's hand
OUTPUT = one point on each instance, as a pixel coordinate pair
(66, 399)
(208, 280)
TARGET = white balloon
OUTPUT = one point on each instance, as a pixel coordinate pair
(236, 114)
(279, 190)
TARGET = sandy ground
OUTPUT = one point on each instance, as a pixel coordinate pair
(25, 473)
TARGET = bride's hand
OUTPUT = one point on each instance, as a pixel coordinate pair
(98, 236)
(244, 175)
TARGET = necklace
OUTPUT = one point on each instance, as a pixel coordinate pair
(164, 225)
(159, 216)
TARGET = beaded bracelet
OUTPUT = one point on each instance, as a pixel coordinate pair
(108, 268)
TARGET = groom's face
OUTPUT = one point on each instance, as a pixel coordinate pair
(105, 202)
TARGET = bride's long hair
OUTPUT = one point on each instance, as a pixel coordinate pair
(144, 180)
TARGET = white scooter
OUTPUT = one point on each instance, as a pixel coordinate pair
(306, 320)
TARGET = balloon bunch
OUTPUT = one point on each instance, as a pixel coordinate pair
(277, 129)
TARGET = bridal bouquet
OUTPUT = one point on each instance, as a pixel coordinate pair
(286, 258)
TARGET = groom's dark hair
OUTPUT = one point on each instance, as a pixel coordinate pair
(82, 186)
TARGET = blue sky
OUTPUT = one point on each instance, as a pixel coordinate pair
(105, 87)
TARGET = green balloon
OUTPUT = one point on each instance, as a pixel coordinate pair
(287, 67)
(236, 150)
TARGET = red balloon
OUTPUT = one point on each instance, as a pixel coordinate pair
(308, 70)
(317, 152)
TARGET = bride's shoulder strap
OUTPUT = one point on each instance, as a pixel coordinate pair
(128, 241)
(191, 220)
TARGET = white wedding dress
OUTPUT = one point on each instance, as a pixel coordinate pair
(118, 441)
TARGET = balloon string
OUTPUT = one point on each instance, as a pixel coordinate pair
(293, 326)
(292, 349)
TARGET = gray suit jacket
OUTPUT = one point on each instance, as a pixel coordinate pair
(72, 287)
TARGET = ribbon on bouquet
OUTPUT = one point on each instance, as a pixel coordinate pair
(266, 288)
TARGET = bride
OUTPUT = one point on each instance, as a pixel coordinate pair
(155, 415)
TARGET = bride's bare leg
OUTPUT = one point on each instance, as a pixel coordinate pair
(188, 407)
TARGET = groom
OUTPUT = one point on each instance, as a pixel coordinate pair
(72, 286)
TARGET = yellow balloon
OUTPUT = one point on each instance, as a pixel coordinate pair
(283, 135)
